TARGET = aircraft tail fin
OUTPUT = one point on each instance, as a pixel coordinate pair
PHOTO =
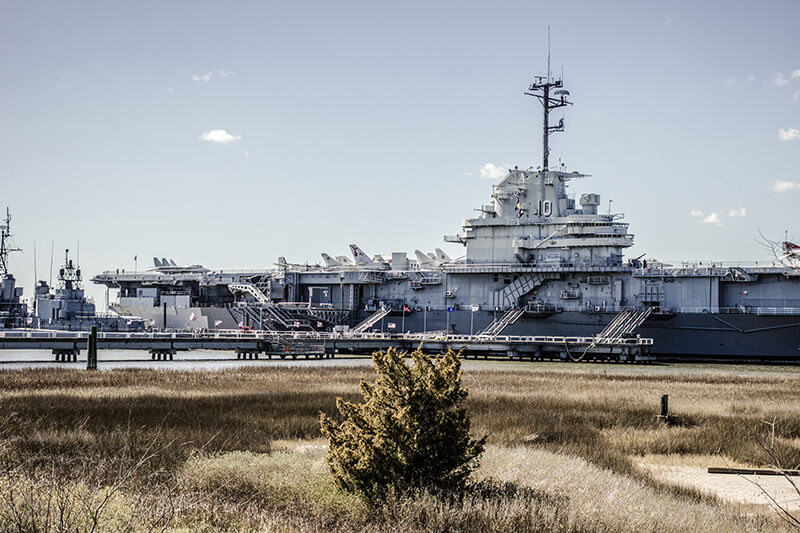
(422, 259)
(330, 261)
(443, 257)
(359, 256)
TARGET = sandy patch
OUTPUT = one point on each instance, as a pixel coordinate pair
(746, 489)
(298, 445)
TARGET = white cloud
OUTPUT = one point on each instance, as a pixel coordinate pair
(171, 90)
(219, 136)
(796, 96)
(713, 218)
(795, 74)
(696, 213)
(493, 172)
(778, 79)
(789, 134)
(205, 78)
(751, 77)
(730, 81)
(741, 212)
(783, 186)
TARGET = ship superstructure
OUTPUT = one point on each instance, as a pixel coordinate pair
(12, 309)
(536, 262)
(67, 307)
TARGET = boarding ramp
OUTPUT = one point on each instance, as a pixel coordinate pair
(501, 323)
(625, 323)
(251, 289)
(371, 320)
(525, 283)
(279, 316)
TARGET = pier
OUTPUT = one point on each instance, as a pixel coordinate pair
(67, 346)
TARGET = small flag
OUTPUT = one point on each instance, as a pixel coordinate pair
(193, 317)
(217, 323)
(135, 257)
(406, 309)
(451, 309)
(476, 308)
(30, 320)
(319, 324)
(129, 321)
(152, 322)
(296, 324)
(391, 325)
(241, 324)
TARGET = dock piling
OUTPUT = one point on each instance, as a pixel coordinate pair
(91, 350)
(668, 419)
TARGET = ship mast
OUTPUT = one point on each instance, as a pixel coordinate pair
(69, 276)
(550, 93)
(5, 247)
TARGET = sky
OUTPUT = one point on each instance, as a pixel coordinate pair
(231, 133)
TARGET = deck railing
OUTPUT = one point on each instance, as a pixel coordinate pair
(258, 335)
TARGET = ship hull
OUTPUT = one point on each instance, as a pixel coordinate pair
(694, 336)
(697, 336)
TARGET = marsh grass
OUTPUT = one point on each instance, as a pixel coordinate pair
(239, 449)
(566, 494)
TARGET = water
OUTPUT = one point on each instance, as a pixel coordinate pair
(221, 360)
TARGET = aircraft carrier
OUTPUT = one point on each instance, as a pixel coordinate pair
(536, 262)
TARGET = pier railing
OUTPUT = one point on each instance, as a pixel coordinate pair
(302, 335)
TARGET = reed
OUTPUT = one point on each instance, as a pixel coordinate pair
(240, 449)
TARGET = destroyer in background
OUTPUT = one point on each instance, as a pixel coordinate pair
(67, 307)
(537, 263)
(12, 310)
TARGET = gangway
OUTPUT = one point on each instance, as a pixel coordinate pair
(625, 323)
(372, 319)
(253, 316)
(499, 324)
(249, 288)
(279, 316)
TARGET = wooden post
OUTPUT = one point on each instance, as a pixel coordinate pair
(665, 406)
(91, 352)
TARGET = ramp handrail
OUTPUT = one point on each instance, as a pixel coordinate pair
(371, 320)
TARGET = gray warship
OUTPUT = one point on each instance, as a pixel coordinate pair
(67, 308)
(536, 262)
(13, 311)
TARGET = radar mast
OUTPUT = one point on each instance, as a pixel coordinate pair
(5, 246)
(69, 276)
(551, 94)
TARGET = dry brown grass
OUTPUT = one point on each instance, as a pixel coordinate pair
(55, 422)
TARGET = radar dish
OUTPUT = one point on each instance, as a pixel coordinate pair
(561, 91)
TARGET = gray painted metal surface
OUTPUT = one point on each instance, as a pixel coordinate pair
(533, 253)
